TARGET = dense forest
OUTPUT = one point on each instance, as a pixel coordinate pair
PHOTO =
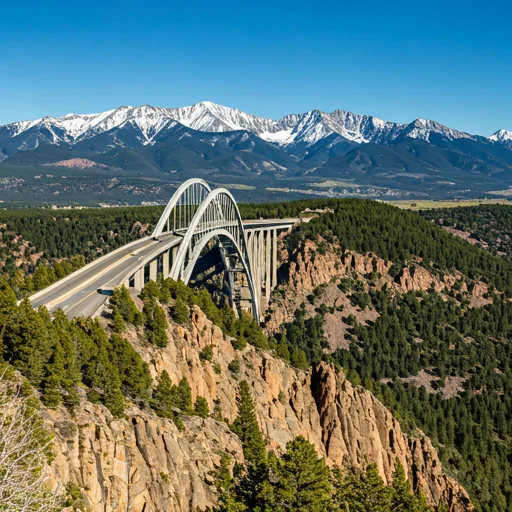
(437, 334)
(488, 225)
(63, 240)
(429, 332)
(57, 356)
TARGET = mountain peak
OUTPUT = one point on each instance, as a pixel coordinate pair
(207, 116)
(502, 136)
(424, 128)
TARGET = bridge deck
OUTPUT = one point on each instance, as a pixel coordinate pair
(77, 293)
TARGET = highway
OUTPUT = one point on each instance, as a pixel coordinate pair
(77, 294)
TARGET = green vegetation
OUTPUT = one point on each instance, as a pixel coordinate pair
(488, 224)
(304, 340)
(171, 401)
(57, 355)
(464, 353)
(244, 329)
(91, 231)
(401, 236)
(300, 480)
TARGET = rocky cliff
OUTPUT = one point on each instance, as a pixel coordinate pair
(144, 463)
(312, 265)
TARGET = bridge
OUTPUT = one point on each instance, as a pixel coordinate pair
(195, 220)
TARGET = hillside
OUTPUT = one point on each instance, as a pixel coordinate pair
(132, 155)
(488, 226)
(387, 337)
(117, 447)
(419, 317)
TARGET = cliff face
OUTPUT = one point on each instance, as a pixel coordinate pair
(143, 463)
(309, 267)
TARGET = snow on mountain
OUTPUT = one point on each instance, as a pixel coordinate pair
(210, 117)
(357, 128)
(307, 128)
(424, 128)
(502, 136)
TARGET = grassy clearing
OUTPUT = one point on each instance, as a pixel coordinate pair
(334, 184)
(429, 204)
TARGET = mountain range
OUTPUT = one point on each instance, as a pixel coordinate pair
(338, 153)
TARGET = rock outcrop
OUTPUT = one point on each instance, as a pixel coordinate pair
(143, 463)
(307, 267)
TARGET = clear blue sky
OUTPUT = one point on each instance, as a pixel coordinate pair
(445, 60)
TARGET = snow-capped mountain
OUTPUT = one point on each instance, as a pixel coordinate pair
(148, 121)
(425, 128)
(503, 137)
(139, 151)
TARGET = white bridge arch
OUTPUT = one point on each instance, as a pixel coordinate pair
(217, 217)
(182, 206)
(195, 216)
(199, 215)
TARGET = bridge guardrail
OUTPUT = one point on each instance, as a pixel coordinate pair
(80, 271)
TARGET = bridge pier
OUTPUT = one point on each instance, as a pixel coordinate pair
(268, 264)
(262, 249)
(153, 270)
(138, 279)
(165, 263)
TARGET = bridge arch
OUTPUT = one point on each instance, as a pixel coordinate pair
(182, 206)
(217, 217)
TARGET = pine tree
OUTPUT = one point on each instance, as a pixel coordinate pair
(299, 359)
(151, 290)
(225, 484)
(117, 320)
(70, 376)
(122, 300)
(401, 496)
(282, 350)
(246, 427)
(162, 401)
(165, 398)
(184, 396)
(180, 312)
(201, 407)
(362, 491)
(55, 374)
(133, 371)
(41, 277)
(113, 397)
(253, 486)
(155, 323)
(303, 479)
(27, 342)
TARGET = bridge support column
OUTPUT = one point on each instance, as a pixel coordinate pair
(139, 279)
(273, 283)
(165, 261)
(268, 261)
(261, 268)
(153, 270)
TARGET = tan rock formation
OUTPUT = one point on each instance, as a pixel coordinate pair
(143, 463)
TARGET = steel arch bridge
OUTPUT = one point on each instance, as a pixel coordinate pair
(196, 218)
(201, 215)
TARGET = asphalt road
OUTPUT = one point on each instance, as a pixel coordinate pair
(78, 295)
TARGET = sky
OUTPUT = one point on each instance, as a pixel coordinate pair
(445, 60)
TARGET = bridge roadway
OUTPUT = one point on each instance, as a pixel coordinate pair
(77, 294)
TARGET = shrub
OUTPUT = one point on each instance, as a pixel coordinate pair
(234, 366)
(201, 407)
(206, 354)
